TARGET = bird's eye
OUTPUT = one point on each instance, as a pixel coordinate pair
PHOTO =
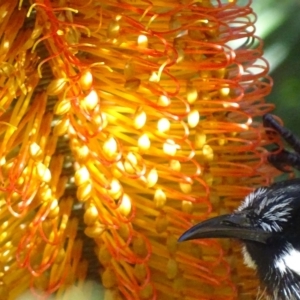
(238, 220)
(227, 222)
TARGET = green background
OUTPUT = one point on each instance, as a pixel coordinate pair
(278, 25)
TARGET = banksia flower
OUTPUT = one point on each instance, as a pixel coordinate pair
(123, 123)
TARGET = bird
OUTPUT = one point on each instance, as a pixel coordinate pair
(267, 223)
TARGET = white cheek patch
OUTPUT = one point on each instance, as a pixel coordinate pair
(249, 262)
(290, 259)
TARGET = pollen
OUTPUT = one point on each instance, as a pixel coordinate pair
(160, 198)
(208, 153)
(84, 191)
(170, 147)
(163, 125)
(193, 118)
(163, 101)
(115, 188)
(192, 94)
(62, 107)
(110, 147)
(175, 165)
(35, 151)
(144, 142)
(142, 41)
(56, 86)
(43, 172)
(91, 100)
(91, 216)
(140, 119)
(125, 206)
(186, 187)
(82, 175)
(86, 80)
(152, 178)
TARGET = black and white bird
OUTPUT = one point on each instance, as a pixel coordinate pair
(268, 224)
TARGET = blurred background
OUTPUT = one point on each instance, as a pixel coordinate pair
(278, 25)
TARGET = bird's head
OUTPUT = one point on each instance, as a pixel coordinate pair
(268, 223)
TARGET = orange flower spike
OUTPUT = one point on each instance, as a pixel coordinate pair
(157, 104)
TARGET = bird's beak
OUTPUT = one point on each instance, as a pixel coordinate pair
(235, 226)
